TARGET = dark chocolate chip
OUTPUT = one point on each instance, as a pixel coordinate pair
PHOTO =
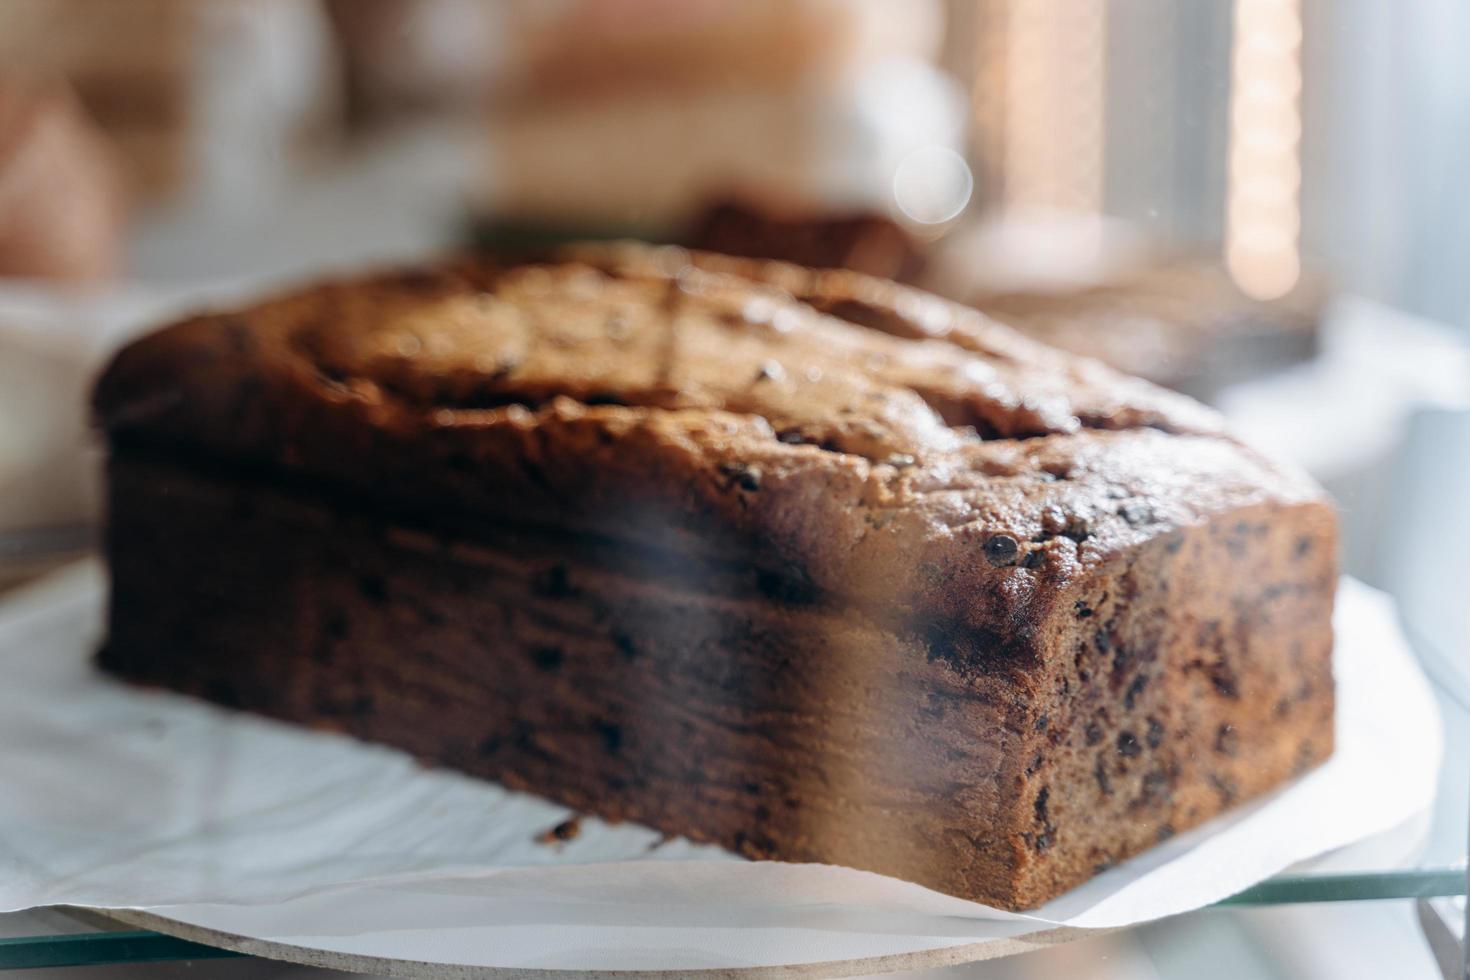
(334, 627)
(373, 588)
(1078, 528)
(1224, 787)
(1227, 740)
(793, 587)
(1101, 774)
(744, 475)
(1165, 831)
(1128, 746)
(1223, 680)
(1155, 787)
(1155, 734)
(1081, 609)
(548, 658)
(612, 735)
(242, 508)
(1041, 723)
(536, 476)
(1094, 733)
(1061, 469)
(523, 736)
(1136, 513)
(1274, 592)
(626, 646)
(1306, 756)
(553, 583)
(1122, 662)
(754, 845)
(462, 463)
(1053, 522)
(562, 832)
(968, 649)
(1033, 558)
(1001, 549)
(1130, 696)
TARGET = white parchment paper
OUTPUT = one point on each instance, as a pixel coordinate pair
(112, 797)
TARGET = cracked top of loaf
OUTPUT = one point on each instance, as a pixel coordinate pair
(855, 437)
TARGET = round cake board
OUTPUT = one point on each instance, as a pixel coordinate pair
(339, 959)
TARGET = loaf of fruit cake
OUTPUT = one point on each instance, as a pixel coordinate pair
(805, 564)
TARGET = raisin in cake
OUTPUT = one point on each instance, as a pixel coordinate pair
(808, 565)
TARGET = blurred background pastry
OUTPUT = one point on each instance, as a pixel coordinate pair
(634, 115)
(61, 204)
(212, 97)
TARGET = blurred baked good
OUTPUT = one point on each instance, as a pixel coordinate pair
(863, 241)
(1180, 322)
(1097, 286)
(61, 205)
(416, 54)
(652, 160)
(419, 54)
(635, 114)
(196, 94)
(591, 45)
(1086, 284)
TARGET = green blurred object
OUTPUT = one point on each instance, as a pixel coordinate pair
(516, 238)
(98, 948)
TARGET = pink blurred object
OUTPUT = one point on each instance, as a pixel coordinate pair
(218, 99)
(61, 200)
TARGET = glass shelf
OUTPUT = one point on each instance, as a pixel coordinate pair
(1430, 863)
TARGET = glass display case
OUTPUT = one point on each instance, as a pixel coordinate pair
(1250, 203)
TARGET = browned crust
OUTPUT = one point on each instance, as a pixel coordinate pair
(567, 393)
(863, 241)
